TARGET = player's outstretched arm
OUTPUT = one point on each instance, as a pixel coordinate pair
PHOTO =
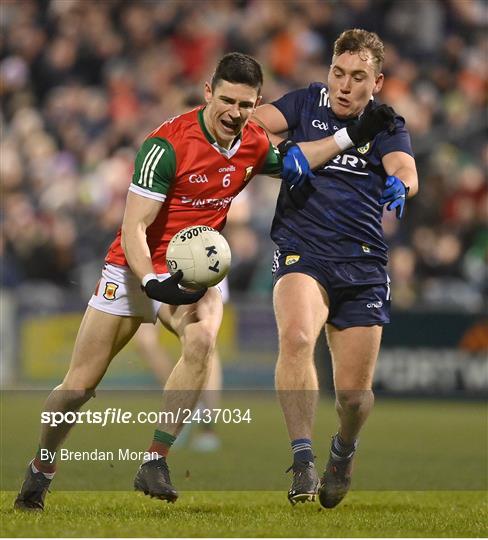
(310, 155)
(371, 123)
(319, 152)
(272, 120)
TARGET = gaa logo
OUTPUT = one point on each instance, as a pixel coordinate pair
(364, 149)
(320, 125)
(198, 179)
(110, 289)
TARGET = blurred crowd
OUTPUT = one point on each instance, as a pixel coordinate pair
(83, 81)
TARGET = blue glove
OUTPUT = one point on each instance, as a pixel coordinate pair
(296, 172)
(295, 164)
(395, 193)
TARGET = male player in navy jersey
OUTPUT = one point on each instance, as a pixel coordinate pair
(330, 266)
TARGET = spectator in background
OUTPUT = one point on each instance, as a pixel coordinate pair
(82, 80)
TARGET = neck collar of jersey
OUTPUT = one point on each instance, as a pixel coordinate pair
(236, 144)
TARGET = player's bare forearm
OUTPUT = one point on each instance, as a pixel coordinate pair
(275, 138)
(402, 165)
(272, 120)
(320, 152)
(136, 250)
(140, 212)
(317, 152)
(409, 177)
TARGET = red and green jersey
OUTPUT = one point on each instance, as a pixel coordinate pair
(181, 165)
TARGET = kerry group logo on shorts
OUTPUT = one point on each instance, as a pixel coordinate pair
(376, 305)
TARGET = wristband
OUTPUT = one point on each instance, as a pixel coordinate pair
(342, 139)
(285, 145)
(147, 278)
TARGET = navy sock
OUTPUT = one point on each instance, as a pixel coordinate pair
(342, 450)
(302, 450)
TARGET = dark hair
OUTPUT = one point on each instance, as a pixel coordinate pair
(357, 41)
(238, 68)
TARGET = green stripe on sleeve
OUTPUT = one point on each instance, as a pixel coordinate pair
(155, 166)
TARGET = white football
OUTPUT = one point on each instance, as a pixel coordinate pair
(201, 253)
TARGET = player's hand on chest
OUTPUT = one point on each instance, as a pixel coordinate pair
(322, 126)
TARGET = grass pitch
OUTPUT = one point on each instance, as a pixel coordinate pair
(421, 472)
(250, 514)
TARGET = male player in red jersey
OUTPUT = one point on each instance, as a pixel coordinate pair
(187, 172)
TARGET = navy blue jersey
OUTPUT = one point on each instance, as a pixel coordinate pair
(341, 220)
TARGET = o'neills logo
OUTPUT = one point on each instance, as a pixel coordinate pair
(110, 289)
(230, 168)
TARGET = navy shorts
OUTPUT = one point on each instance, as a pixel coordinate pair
(359, 291)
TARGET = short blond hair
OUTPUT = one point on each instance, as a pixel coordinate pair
(357, 40)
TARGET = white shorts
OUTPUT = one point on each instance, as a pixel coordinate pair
(119, 292)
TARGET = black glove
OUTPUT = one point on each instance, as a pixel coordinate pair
(169, 292)
(372, 122)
